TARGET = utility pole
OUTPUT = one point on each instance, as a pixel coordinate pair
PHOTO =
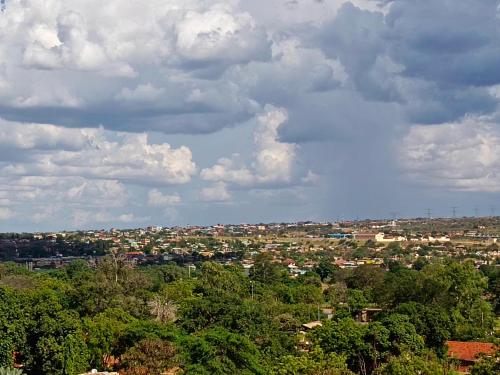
(492, 209)
(476, 211)
(428, 212)
(454, 211)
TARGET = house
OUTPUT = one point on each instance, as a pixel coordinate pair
(382, 237)
(312, 325)
(443, 238)
(467, 353)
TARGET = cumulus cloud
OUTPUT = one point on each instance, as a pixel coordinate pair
(219, 34)
(78, 58)
(70, 191)
(42, 136)
(215, 193)
(459, 156)
(90, 154)
(157, 199)
(273, 161)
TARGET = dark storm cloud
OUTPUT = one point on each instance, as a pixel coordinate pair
(436, 58)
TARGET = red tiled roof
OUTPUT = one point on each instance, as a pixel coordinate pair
(469, 351)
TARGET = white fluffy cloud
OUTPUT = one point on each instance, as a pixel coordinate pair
(463, 155)
(86, 36)
(50, 174)
(89, 153)
(57, 191)
(41, 136)
(219, 33)
(157, 199)
(215, 193)
(273, 161)
(77, 57)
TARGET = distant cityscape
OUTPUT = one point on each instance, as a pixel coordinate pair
(297, 245)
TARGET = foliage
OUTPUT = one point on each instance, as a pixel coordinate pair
(218, 351)
(149, 356)
(10, 371)
(487, 365)
(312, 363)
(325, 269)
(221, 321)
(410, 364)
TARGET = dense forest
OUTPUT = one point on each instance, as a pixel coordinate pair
(219, 320)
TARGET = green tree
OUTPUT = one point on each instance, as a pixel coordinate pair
(265, 270)
(403, 335)
(218, 351)
(149, 356)
(356, 301)
(325, 269)
(103, 333)
(58, 345)
(410, 364)
(344, 337)
(12, 325)
(315, 362)
(432, 322)
(487, 365)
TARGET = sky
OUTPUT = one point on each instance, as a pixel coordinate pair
(127, 114)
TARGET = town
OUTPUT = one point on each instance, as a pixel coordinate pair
(298, 246)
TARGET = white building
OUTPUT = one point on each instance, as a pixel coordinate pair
(381, 237)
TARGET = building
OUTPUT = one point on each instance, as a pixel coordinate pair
(364, 236)
(382, 237)
(340, 236)
(467, 353)
(439, 239)
(312, 325)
